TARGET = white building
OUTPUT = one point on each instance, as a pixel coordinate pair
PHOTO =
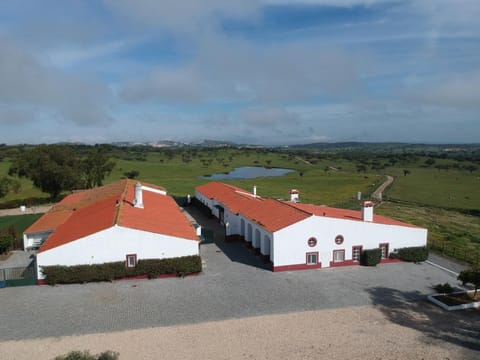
(123, 221)
(292, 236)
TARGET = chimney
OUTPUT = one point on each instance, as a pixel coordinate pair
(294, 195)
(254, 190)
(138, 199)
(367, 211)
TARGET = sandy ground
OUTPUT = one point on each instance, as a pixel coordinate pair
(40, 209)
(358, 333)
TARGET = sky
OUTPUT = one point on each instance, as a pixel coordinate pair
(265, 72)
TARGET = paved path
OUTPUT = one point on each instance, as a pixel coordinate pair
(378, 193)
(40, 209)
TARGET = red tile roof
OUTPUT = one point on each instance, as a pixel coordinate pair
(87, 212)
(273, 215)
(320, 210)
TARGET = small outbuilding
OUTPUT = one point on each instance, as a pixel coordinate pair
(291, 235)
(124, 221)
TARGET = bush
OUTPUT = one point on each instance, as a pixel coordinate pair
(371, 257)
(443, 288)
(6, 241)
(85, 355)
(412, 254)
(180, 266)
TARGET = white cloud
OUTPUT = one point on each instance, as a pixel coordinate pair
(29, 84)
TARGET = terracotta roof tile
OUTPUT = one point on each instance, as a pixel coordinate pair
(87, 212)
(320, 210)
(273, 215)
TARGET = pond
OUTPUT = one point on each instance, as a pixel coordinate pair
(248, 172)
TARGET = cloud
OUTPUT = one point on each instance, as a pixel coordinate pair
(454, 90)
(234, 70)
(28, 83)
(184, 16)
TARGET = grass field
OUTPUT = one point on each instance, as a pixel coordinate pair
(428, 196)
(21, 222)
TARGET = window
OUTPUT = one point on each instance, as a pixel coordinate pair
(338, 255)
(339, 239)
(356, 253)
(131, 260)
(312, 258)
(312, 242)
(384, 248)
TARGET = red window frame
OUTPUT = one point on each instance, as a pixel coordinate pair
(337, 251)
(311, 253)
(360, 248)
(386, 246)
(127, 264)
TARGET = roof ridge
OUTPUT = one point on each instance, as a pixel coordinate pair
(286, 203)
(119, 205)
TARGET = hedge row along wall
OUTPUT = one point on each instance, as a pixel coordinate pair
(152, 268)
(412, 254)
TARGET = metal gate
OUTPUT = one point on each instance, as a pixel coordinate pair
(18, 276)
(207, 236)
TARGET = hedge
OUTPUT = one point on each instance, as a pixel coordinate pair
(412, 254)
(371, 257)
(180, 266)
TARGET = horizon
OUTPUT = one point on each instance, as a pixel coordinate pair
(256, 72)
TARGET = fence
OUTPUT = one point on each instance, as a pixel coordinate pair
(18, 276)
(462, 253)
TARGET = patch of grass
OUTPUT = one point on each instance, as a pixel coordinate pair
(449, 231)
(21, 222)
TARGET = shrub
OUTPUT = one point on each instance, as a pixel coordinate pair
(180, 266)
(371, 257)
(472, 276)
(6, 241)
(443, 288)
(85, 355)
(412, 254)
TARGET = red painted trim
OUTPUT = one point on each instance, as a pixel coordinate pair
(311, 253)
(360, 253)
(333, 256)
(387, 245)
(344, 263)
(390, 260)
(126, 260)
(296, 267)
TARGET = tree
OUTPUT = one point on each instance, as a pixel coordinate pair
(95, 167)
(6, 241)
(406, 172)
(52, 168)
(8, 185)
(472, 276)
(132, 174)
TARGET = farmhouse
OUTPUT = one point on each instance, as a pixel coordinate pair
(123, 221)
(292, 236)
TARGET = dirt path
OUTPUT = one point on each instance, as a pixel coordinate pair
(40, 209)
(303, 160)
(357, 333)
(378, 193)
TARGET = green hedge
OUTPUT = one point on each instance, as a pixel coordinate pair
(412, 254)
(371, 257)
(180, 266)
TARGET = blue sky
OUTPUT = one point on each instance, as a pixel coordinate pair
(249, 71)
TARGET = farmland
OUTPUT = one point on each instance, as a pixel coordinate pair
(433, 189)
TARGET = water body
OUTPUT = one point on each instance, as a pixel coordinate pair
(249, 172)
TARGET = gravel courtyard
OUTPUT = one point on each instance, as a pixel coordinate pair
(235, 302)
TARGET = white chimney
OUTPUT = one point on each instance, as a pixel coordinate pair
(138, 199)
(294, 195)
(254, 190)
(367, 211)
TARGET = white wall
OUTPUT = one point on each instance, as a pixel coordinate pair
(113, 245)
(291, 242)
(34, 240)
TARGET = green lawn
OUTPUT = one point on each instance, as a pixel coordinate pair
(21, 222)
(449, 189)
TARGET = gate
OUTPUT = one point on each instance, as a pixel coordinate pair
(207, 236)
(18, 276)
